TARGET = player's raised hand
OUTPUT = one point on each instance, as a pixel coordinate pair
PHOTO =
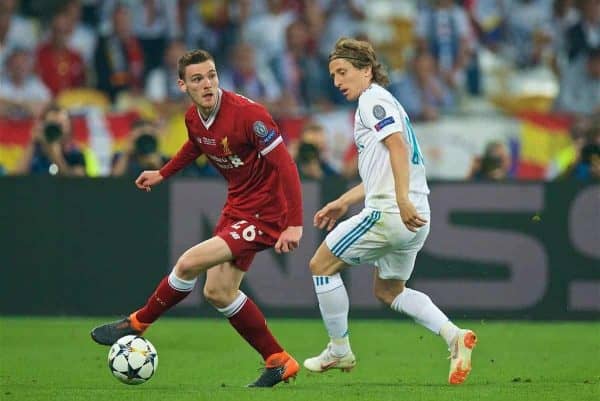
(330, 214)
(147, 179)
(289, 239)
(410, 217)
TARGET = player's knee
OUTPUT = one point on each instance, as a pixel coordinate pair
(185, 269)
(318, 268)
(218, 296)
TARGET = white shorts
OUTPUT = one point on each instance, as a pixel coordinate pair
(381, 239)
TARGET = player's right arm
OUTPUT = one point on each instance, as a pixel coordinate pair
(334, 210)
(187, 154)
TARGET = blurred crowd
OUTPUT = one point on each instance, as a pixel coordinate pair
(123, 54)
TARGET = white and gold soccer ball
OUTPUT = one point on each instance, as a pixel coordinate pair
(132, 359)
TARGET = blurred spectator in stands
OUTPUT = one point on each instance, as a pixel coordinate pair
(22, 93)
(586, 166)
(564, 16)
(444, 30)
(301, 75)
(161, 85)
(421, 91)
(343, 18)
(308, 153)
(243, 75)
(215, 25)
(266, 31)
(488, 18)
(153, 23)
(580, 86)
(82, 38)
(15, 30)
(118, 57)
(584, 35)
(60, 67)
(494, 164)
(52, 150)
(141, 153)
(527, 34)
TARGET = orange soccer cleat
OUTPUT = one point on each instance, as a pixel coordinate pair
(460, 356)
(280, 367)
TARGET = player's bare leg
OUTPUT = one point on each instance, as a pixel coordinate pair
(334, 306)
(222, 291)
(420, 307)
(170, 291)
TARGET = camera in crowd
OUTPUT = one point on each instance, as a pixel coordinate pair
(55, 123)
(52, 132)
(145, 142)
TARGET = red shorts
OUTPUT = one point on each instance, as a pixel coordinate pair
(246, 238)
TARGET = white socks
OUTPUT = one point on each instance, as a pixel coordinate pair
(334, 306)
(419, 306)
(235, 306)
(180, 284)
(449, 331)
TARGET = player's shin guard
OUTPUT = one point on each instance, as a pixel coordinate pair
(334, 306)
(250, 323)
(169, 292)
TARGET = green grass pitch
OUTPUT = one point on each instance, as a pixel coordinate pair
(204, 359)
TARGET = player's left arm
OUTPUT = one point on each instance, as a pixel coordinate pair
(280, 158)
(379, 112)
(264, 135)
(398, 151)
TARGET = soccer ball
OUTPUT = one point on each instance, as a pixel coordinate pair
(132, 359)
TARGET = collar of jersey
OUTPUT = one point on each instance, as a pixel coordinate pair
(211, 118)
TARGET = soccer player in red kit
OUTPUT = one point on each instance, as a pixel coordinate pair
(241, 140)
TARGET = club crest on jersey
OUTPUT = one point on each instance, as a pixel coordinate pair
(379, 111)
(225, 145)
(260, 129)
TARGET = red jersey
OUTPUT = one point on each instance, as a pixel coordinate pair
(60, 68)
(241, 140)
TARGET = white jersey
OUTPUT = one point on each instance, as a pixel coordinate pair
(379, 115)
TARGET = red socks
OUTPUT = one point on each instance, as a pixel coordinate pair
(163, 298)
(251, 324)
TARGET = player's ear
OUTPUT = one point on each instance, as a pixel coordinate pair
(182, 86)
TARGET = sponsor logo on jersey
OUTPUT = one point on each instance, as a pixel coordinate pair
(379, 111)
(384, 123)
(225, 145)
(260, 129)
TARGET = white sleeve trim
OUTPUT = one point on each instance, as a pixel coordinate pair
(271, 146)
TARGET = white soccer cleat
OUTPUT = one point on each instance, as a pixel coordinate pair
(460, 356)
(326, 360)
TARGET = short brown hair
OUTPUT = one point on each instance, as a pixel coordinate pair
(192, 57)
(361, 55)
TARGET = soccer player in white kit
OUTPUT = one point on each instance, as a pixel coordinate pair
(393, 225)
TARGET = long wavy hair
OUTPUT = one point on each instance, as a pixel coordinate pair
(361, 55)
